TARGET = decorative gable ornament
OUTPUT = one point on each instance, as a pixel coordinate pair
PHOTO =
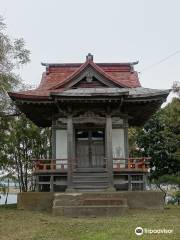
(89, 76)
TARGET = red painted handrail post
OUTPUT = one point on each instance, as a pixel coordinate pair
(129, 163)
(44, 166)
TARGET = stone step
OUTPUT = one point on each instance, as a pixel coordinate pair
(89, 211)
(90, 188)
(105, 201)
(90, 184)
(90, 179)
(95, 190)
(90, 170)
(93, 181)
(88, 174)
(75, 195)
(91, 202)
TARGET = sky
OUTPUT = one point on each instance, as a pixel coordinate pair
(62, 31)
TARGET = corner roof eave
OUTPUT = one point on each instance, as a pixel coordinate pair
(150, 94)
(19, 96)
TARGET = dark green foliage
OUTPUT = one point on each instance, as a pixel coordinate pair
(169, 179)
(134, 150)
(160, 139)
(23, 142)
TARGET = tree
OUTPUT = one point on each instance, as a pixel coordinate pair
(176, 88)
(160, 139)
(24, 142)
(13, 54)
(133, 134)
(163, 181)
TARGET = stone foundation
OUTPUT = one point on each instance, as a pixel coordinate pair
(35, 201)
(90, 204)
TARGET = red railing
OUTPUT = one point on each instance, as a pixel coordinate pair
(118, 164)
(50, 164)
(141, 163)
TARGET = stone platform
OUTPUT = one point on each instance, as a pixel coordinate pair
(90, 204)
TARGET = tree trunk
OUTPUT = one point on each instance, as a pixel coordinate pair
(7, 193)
(162, 190)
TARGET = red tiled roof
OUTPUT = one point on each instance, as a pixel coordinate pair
(57, 75)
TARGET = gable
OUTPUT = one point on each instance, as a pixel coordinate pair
(88, 78)
(89, 83)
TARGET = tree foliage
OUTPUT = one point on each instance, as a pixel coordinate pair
(13, 55)
(160, 139)
(133, 134)
(20, 139)
(176, 88)
(23, 142)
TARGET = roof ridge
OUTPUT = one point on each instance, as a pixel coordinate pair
(97, 63)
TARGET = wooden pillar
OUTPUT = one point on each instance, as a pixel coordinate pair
(129, 183)
(144, 181)
(53, 140)
(126, 140)
(53, 152)
(37, 189)
(51, 183)
(109, 151)
(69, 151)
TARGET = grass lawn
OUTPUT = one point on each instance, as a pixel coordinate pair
(23, 225)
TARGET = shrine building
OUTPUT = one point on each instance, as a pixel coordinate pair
(89, 107)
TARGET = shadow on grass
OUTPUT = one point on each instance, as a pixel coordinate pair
(9, 206)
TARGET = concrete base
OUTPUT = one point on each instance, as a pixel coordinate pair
(90, 211)
(90, 204)
(35, 200)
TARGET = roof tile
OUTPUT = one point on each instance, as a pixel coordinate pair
(57, 75)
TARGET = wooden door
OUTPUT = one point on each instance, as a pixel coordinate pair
(82, 148)
(90, 148)
(97, 148)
